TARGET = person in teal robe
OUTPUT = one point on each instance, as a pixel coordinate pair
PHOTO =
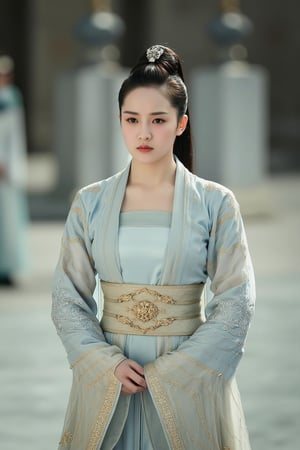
(14, 215)
(145, 378)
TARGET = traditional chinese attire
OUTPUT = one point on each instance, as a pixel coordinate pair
(192, 401)
(13, 202)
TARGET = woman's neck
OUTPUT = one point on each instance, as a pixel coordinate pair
(152, 174)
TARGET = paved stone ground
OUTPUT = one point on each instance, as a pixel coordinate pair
(35, 379)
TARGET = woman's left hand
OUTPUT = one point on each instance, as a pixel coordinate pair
(131, 375)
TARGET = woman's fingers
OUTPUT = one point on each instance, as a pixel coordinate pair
(136, 374)
(136, 367)
(131, 375)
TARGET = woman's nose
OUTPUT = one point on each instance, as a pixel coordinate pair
(144, 133)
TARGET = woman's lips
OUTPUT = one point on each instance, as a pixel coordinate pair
(145, 148)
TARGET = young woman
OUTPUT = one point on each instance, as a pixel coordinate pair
(157, 373)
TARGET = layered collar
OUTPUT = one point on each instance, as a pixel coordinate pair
(175, 253)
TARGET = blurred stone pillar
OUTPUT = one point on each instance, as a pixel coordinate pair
(88, 140)
(229, 103)
(230, 107)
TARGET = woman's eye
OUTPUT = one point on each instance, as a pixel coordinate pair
(131, 120)
(159, 120)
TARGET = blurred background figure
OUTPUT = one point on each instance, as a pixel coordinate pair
(13, 202)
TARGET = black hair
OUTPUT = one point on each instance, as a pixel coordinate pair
(164, 70)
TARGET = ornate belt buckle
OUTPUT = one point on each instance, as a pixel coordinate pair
(145, 310)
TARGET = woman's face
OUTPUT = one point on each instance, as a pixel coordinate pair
(150, 124)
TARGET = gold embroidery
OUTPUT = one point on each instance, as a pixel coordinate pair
(155, 295)
(103, 415)
(170, 380)
(145, 311)
(191, 392)
(80, 214)
(220, 221)
(76, 240)
(196, 363)
(232, 249)
(159, 323)
(164, 407)
(66, 439)
(85, 355)
(99, 377)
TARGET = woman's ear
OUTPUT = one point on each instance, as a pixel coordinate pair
(182, 124)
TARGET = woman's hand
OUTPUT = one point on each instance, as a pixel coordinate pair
(131, 375)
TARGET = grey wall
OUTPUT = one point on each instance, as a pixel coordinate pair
(46, 47)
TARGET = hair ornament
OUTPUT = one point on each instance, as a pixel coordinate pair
(154, 53)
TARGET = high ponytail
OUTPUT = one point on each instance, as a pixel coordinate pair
(160, 66)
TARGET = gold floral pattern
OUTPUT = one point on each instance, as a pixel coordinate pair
(109, 400)
(165, 409)
(141, 309)
(157, 324)
(145, 311)
(66, 439)
(156, 296)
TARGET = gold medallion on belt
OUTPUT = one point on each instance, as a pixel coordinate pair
(145, 310)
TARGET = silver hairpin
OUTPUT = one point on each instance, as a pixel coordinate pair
(153, 53)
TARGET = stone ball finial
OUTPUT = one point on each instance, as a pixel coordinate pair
(101, 27)
(230, 28)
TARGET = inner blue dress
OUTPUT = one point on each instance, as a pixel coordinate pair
(143, 238)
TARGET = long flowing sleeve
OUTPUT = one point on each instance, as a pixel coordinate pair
(195, 383)
(95, 389)
(74, 310)
(219, 342)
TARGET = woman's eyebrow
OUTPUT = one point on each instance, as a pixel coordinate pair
(131, 112)
(158, 113)
(155, 113)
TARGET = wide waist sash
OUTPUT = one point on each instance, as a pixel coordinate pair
(152, 310)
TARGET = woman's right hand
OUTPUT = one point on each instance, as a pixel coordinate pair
(131, 375)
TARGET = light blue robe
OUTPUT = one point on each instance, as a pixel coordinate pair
(192, 386)
(13, 203)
